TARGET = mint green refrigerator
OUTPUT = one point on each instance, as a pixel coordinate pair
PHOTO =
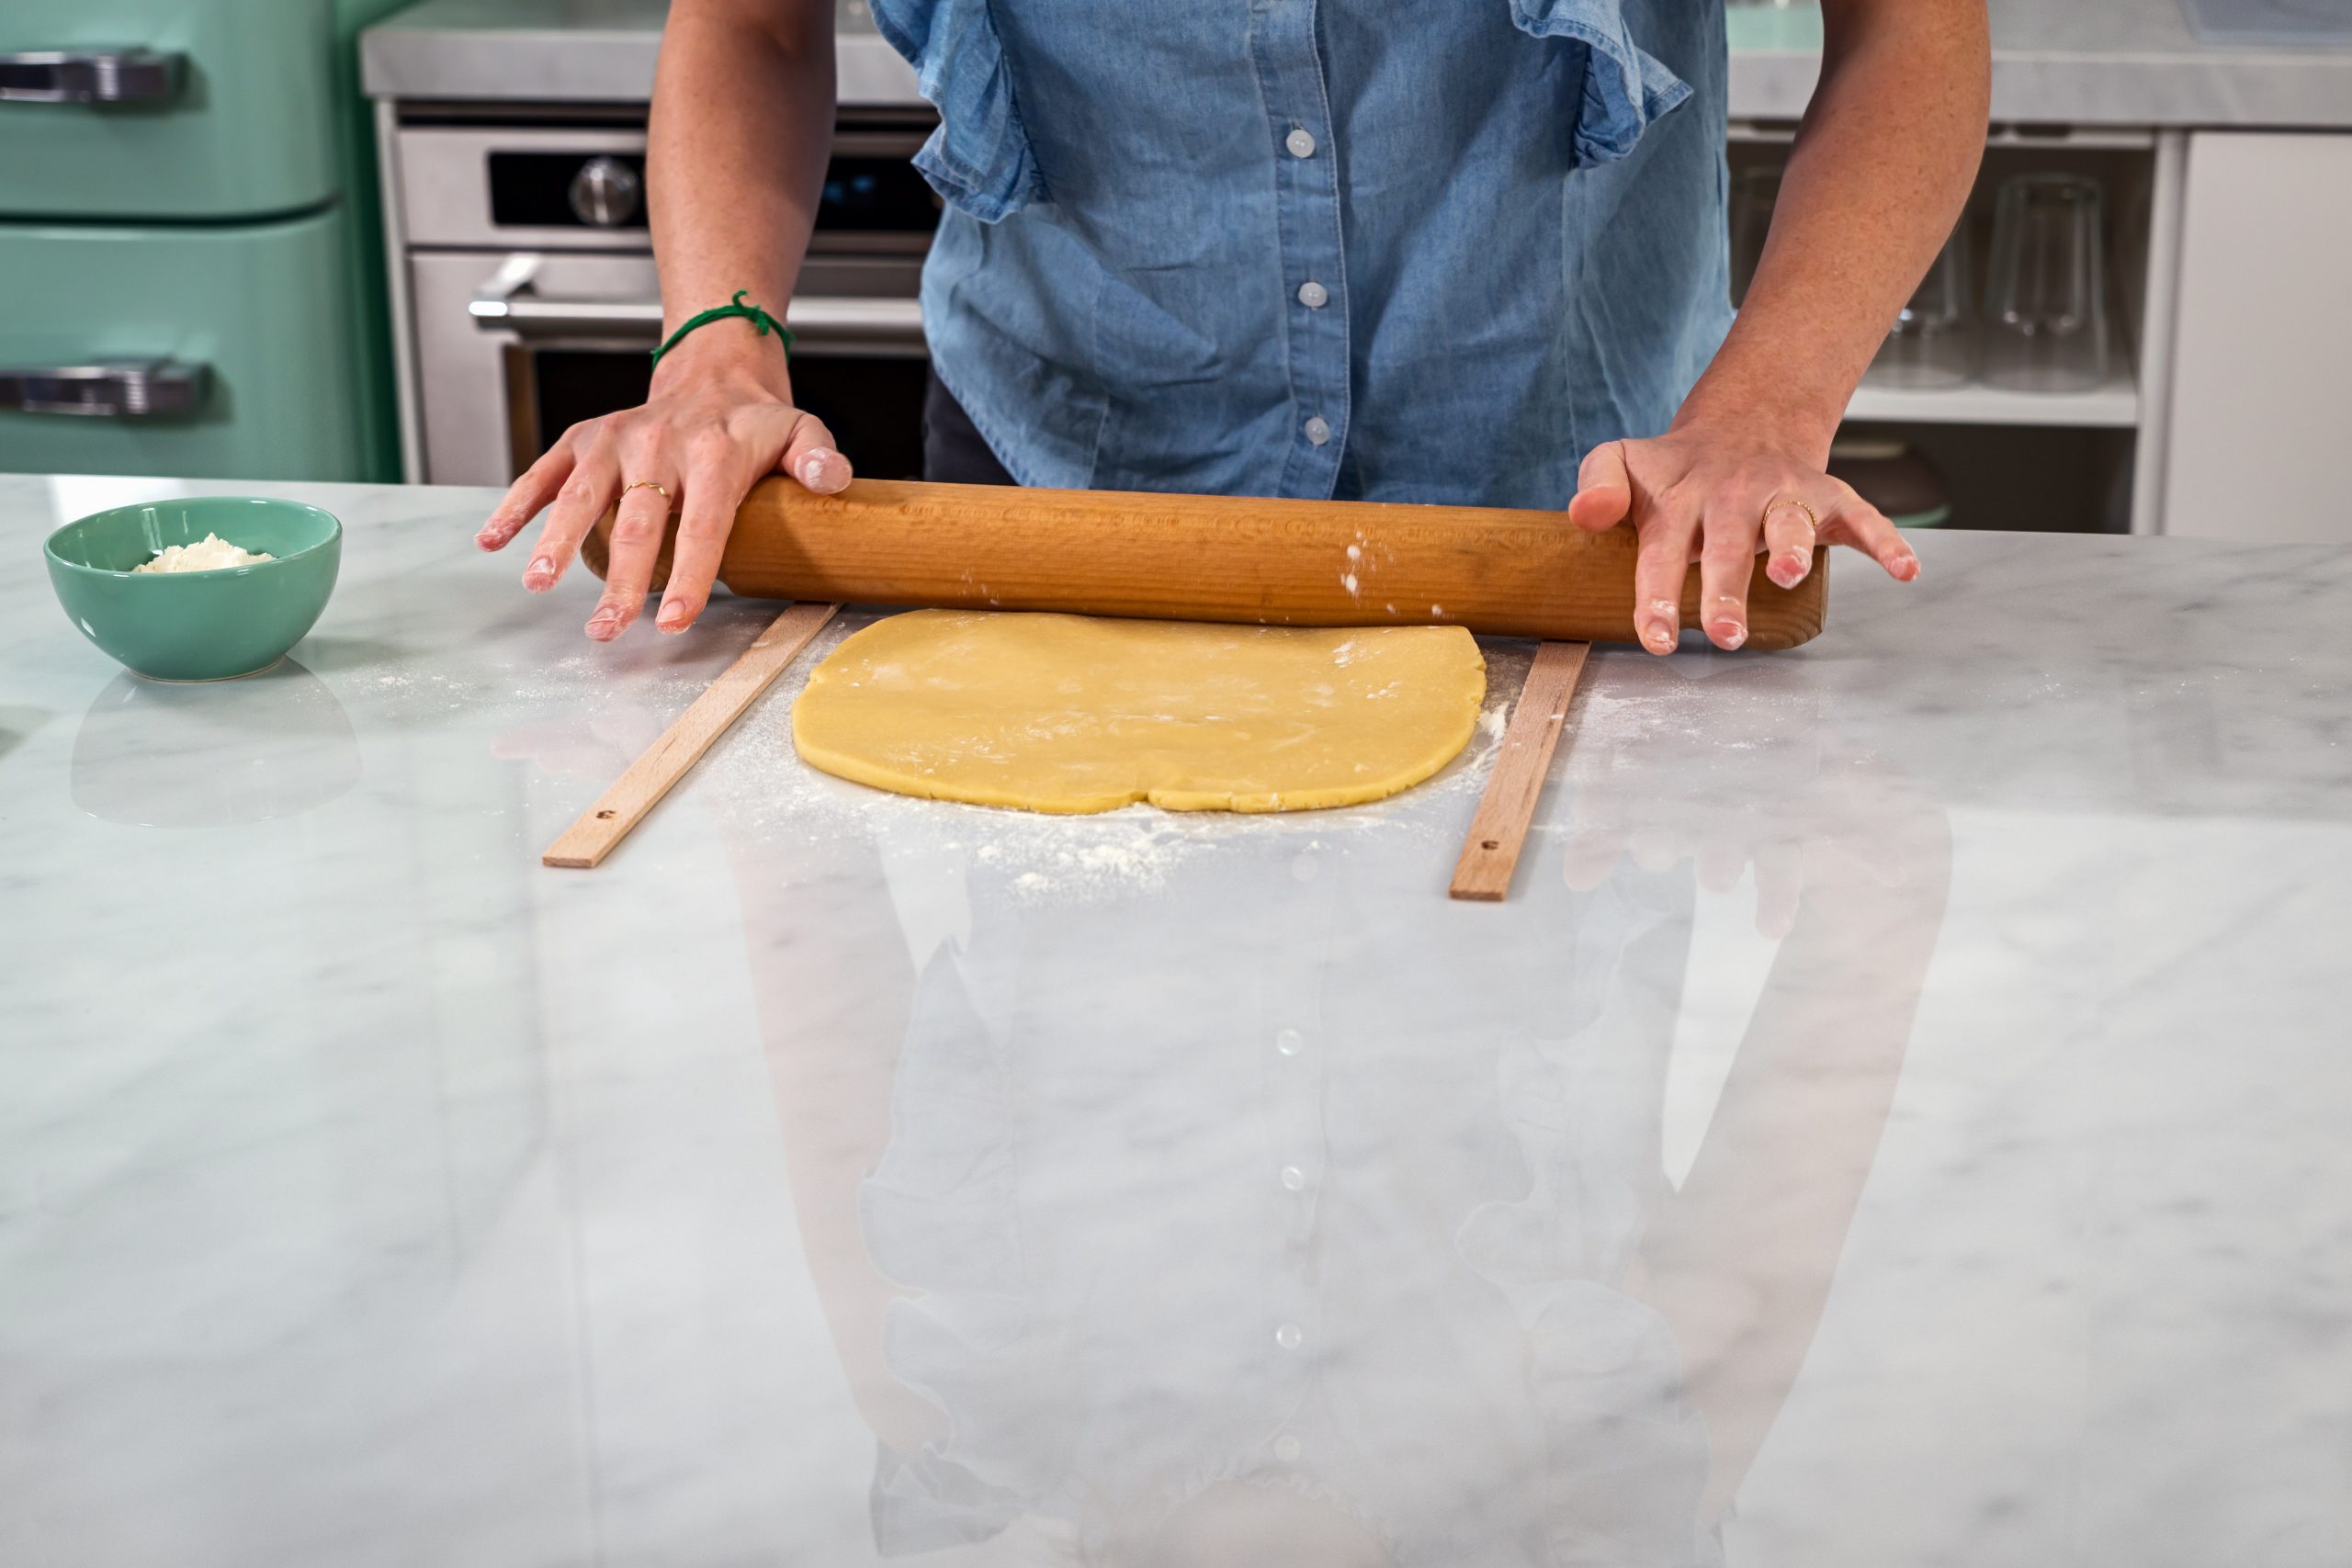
(190, 261)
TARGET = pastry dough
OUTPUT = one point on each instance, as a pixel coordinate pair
(1074, 713)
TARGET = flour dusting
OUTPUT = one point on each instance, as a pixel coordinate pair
(760, 785)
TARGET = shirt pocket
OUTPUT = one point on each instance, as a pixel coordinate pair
(979, 159)
(1626, 86)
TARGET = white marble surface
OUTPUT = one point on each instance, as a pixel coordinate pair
(2093, 62)
(1899, 1119)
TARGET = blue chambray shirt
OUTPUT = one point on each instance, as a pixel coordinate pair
(1388, 250)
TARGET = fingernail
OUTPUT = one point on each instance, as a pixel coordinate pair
(1788, 570)
(812, 465)
(491, 533)
(605, 625)
(1730, 633)
(1906, 568)
(540, 574)
(673, 618)
(1660, 635)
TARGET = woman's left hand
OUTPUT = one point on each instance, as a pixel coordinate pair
(1721, 496)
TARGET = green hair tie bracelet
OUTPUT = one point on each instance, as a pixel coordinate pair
(752, 313)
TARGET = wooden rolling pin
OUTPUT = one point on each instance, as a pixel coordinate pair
(1203, 558)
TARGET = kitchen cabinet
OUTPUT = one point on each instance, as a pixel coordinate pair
(2261, 397)
(2228, 169)
(2227, 408)
(2040, 461)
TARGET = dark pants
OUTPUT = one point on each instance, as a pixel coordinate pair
(952, 451)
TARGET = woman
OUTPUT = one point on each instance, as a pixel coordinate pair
(1426, 250)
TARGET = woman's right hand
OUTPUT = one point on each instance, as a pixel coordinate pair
(718, 416)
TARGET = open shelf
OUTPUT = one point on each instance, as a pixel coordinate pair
(2114, 405)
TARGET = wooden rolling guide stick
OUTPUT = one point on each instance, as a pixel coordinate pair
(1505, 812)
(603, 825)
(1205, 558)
(1234, 558)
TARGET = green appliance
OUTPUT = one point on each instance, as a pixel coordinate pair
(191, 268)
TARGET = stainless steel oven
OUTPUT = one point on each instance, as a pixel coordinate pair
(530, 300)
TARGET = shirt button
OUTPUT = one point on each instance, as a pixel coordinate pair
(1319, 431)
(1300, 142)
(1286, 1449)
(1289, 1042)
(1290, 1336)
(1294, 1178)
(1313, 295)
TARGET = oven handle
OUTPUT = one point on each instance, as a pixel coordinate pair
(821, 321)
(143, 388)
(90, 76)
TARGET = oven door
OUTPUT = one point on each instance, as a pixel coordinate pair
(515, 347)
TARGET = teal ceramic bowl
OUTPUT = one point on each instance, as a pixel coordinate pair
(197, 625)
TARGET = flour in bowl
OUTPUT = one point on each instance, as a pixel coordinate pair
(211, 553)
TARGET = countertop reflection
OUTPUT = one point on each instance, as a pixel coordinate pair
(163, 754)
(1898, 1117)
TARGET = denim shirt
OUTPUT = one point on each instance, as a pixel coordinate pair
(1390, 250)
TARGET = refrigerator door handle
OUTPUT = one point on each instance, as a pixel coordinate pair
(90, 76)
(143, 389)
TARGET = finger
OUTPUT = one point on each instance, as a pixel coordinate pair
(1788, 540)
(1734, 523)
(1720, 866)
(638, 528)
(586, 492)
(810, 457)
(1780, 881)
(1654, 848)
(1853, 522)
(1604, 488)
(529, 495)
(715, 480)
(1667, 531)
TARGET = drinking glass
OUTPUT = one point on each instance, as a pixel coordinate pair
(1933, 342)
(2045, 301)
(1753, 192)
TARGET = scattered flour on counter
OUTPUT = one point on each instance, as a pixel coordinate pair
(756, 781)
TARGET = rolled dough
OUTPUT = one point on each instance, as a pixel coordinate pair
(1075, 712)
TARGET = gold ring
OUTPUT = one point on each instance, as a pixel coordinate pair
(649, 484)
(1812, 519)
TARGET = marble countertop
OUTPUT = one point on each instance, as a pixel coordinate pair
(1899, 1118)
(2086, 63)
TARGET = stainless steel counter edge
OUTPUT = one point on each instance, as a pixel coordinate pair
(2110, 62)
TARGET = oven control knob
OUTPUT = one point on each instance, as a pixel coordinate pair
(607, 193)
